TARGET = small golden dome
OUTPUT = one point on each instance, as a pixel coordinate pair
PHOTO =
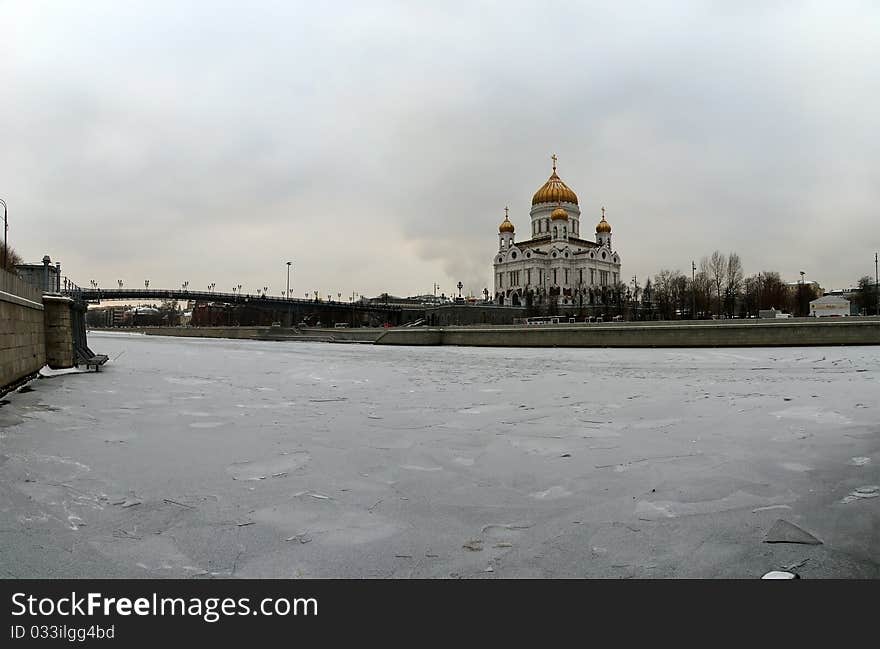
(554, 191)
(506, 226)
(559, 214)
(604, 226)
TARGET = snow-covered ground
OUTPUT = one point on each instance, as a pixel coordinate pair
(196, 457)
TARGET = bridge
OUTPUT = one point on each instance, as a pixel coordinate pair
(287, 310)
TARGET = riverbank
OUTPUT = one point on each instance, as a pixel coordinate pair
(701, 333)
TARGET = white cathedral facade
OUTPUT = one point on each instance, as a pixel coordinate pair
(555, 265)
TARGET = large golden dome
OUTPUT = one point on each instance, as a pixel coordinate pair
(604, 226)
(554, 190)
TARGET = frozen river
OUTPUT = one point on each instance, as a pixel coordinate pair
(199, 458)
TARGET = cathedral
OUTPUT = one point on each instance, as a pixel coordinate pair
(554, 266)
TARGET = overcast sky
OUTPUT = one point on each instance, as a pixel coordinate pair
(375, 144)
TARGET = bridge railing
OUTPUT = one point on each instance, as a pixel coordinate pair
(93, 294)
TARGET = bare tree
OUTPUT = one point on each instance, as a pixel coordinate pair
(718, 275)
(733, 281)
(12, 259)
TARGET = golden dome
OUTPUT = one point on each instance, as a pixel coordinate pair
(604, 226)
(554, 191)
(559, 214)
(506, 226)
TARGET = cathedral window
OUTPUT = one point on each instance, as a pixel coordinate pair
(528, 275)
(513, 255)
(566, 274)
(554, 276)
(581, 276)
(592, 276)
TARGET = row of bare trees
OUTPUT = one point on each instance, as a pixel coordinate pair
(718, 287)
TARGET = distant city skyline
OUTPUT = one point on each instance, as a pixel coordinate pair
(376, 146)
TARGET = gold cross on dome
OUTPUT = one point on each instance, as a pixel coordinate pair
(603, 212)
(553, 157)
(505, 213)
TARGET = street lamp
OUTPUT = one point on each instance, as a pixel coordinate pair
(876, 286)
(5, 230)
(120, 282)
(460, 286)
(803, 294)
(288, 280)
(693, 289)
(146, 283)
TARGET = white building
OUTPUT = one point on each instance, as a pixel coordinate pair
(554, 264)
(830, 305)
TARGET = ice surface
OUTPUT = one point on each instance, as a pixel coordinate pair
(280, 459)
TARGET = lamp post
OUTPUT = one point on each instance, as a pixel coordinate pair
(146, 284)
(803, 294)
(5, 230)
(459, 286)
(876, 285)
(288, 280)
(693, 289)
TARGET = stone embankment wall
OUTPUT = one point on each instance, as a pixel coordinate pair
(730, 333)
(803, 332)
(22, 334)
(58, 324)
(355, 335)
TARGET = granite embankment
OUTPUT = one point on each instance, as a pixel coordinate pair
(731, 333)
(360, 335)
(22, 330)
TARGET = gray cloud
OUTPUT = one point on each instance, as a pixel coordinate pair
(377, 144)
